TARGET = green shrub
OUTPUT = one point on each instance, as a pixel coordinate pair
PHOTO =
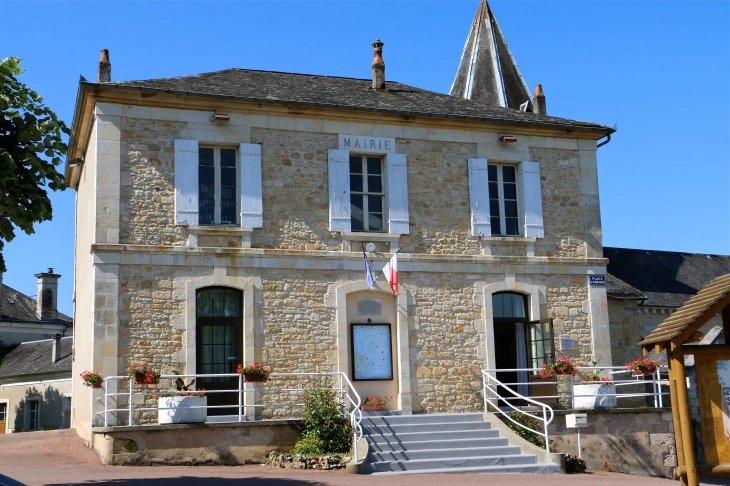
(528, 421)
(309, 446)
(326, 419)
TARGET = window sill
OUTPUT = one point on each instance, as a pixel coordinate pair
(489, 241)
(218, 230)
(365, 237)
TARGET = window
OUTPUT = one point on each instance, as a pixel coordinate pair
(34, 408)
(503, 209)
(3, 412)
(217, 186)
(367, 198)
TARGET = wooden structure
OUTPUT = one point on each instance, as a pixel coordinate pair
(674, 334)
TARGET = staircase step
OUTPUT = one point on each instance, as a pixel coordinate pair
(433, 436)
(450, 463)
(444, 453)
(435, 427)
(506, 469)
(441, 444)
(430, 418)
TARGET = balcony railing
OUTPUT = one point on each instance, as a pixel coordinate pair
(282, 386)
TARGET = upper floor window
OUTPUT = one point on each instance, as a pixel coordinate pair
(503, 210)
(217, 186)
(367, 197)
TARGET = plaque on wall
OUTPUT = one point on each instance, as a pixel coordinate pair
(371, 356)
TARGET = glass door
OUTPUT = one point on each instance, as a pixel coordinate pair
(540, 348)
(219, 345)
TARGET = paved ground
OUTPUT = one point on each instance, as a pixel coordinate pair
(59, 457)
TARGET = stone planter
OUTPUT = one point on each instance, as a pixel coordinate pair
(591, 396)
(179, 410)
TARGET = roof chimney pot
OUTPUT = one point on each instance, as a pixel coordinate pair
(378, 66)
(104, 75)
(538, 101)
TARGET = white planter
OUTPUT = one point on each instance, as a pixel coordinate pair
(179, 410)
(590, 396)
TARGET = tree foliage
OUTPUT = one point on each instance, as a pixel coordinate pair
(326, 419)
(31, 147)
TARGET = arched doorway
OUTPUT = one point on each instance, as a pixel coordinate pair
(219, 346)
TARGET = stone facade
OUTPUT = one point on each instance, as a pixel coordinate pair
(293, 270)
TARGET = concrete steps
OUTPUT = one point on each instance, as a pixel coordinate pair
(443, 444)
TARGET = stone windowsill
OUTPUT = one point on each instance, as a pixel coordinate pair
(349, 236)
(218, 230)
(528, 243)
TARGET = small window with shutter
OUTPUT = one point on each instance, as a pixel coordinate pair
(503, 204)
(367, 197)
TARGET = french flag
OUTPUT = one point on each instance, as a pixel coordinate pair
(391, 273)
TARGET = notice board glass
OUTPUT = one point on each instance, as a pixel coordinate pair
(372, 358)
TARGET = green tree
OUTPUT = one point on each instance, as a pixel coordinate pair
(326, 420)
(31, 147)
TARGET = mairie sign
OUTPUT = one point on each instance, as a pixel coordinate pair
(360, 143)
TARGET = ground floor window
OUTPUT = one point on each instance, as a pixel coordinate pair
(34, 414)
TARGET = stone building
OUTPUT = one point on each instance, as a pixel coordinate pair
(228, 211)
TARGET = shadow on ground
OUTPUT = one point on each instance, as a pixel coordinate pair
(6, 481)
(190, 481)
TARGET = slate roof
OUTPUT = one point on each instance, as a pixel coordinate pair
(487, 71)
(617, 288)
(684, 318)
(35, 357)
(337, 92)
(666, 278)
(23, 308)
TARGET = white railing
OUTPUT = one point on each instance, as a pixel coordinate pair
(492, 397)
(349, 397)
(620, 376)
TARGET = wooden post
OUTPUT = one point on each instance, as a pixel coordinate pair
(678, 443)
(685, 418)
(726, 323)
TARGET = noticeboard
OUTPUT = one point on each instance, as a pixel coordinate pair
(371, 352)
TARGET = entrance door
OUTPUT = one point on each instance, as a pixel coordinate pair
(219, 347)
(510, 347)
(3, 417)
(540, 351)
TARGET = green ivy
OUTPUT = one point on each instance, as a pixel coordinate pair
(528, 421)
(31, 146)
(326, 419)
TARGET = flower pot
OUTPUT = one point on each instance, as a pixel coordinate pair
(591, 396)
(139, 379)
(258, 378)
(179, 411)
(372, 407)
(643, 371)
(97, 384)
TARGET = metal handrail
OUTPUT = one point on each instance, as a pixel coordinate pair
(346, 399)
(487, 402)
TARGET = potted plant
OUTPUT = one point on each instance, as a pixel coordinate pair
(182, 404)
(143, 374)
(92, 379)
(642, 367)
(562, 366)
(374, 404)
(594, 391)
(254, 372)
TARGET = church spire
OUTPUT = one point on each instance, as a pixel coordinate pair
(487, 71)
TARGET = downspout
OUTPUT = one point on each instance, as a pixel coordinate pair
(608, 136)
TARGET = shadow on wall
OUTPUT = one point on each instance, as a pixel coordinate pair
(50, 408)
(190, 481)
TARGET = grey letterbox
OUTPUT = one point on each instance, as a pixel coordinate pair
(573, 420)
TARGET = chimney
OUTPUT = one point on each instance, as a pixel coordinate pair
(539, 101)
(104, 75)
(378, 66)
(56, 348)
(47, 303)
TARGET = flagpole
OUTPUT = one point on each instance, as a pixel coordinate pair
(381, 271)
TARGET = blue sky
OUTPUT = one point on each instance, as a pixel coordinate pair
(660, 69)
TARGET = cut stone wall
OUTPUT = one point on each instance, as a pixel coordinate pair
(637, 442)
(623, 316)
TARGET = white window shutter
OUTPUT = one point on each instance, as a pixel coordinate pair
(186, 182)
(397, 194)
(481, 223)
(530, 173)
(252, 205)
(339, 182)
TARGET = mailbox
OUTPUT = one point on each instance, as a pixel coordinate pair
(573, 420)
